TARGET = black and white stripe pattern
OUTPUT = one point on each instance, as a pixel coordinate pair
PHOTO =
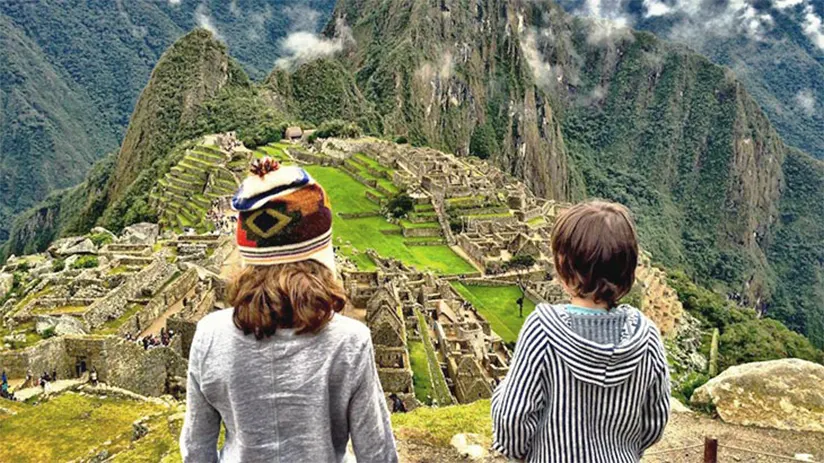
(569, 399)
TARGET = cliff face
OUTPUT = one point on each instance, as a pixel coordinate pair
(453, 76)
(191, 72)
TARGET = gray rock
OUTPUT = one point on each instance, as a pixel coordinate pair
(780, 394)
(62, 326)
(71, 246)
(101, 230)
(140, 233)
(470, 446)
(12, 338)
(6, 283)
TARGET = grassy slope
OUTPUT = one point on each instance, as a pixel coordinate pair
(348, 196)
(497, 304)
(67, 427)
(420, 371)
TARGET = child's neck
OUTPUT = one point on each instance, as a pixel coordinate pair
(588, 303)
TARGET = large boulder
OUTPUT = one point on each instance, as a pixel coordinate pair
(72, 246)
(140, 233)
(63, 325)
(782, 394)
(6, 283)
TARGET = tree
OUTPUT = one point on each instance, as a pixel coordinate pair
(521, 261)
(400, 205)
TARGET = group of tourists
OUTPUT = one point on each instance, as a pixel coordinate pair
(150, 341)
(224, 223)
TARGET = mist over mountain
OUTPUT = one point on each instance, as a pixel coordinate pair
(775, 47)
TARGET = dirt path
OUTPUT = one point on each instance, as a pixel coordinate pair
(684, 430)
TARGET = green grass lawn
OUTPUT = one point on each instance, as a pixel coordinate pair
(421, 378)
(438, 425)
(348, 195)
(66, 427)
(497, 304)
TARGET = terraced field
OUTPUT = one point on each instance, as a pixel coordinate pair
(497, 304)
(185, 193)
(354, 236)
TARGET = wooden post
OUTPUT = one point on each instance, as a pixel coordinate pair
(710, 450)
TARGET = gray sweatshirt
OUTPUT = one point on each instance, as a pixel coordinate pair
(289, 398)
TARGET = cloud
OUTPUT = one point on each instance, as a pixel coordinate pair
(806, 102)
(257, 23)
(304, 46)
(174, 2)
(813, 27)
(204, 20)
(784, 4)
(302, 18)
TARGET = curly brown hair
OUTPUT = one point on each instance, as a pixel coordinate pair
(301, 295)
(595, 249)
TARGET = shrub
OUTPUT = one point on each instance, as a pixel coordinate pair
(336, 128)
(48, 333)
(85, 262)
(689, 383)
(456, 224)
(763, 339)
(400, 205)
(58, 265)
(521, 261)
(401, 140)
(101, 239)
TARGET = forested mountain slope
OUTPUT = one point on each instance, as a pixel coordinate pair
(71, 73)
(775, 47)
(574, 107)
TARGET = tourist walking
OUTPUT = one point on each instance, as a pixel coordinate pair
(93, 376)
(588, 381)
(291, 379)
(397, 404)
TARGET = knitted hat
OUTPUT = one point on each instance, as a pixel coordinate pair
(283, 216)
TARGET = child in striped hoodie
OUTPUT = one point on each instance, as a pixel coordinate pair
(589, 380)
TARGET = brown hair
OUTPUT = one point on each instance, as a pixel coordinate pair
(595, 250)
(301, 295)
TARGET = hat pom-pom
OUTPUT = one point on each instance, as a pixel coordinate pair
(261, 167)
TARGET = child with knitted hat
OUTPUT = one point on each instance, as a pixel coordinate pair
(291, 379)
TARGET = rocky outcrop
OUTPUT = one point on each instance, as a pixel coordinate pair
(140, 233)
(6, 283)
(783, 394)
(59, 325)
(70, 246)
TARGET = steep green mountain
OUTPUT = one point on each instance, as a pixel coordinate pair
(776, 48)
(49, 132)
(195, 69)
(574, 107)
(71, 72)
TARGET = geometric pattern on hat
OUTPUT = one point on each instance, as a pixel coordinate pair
(283, 216)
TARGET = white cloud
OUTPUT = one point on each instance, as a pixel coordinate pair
(784, 4)
(813, 27)
(302, 18)
(303, 46)
(656, 8)
(806, 102)
(174, 2)
(204, 20)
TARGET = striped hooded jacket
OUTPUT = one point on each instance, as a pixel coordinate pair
(583, 388)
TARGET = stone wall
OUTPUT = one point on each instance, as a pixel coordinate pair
(421, 232)
(146, 372)
(185, 331)
(396, 379)
(46, 355)
(116, 302)
(159, 304)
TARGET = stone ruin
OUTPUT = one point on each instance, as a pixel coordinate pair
(82, 305)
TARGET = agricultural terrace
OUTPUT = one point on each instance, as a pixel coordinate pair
(497, 304)
(348, 196)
